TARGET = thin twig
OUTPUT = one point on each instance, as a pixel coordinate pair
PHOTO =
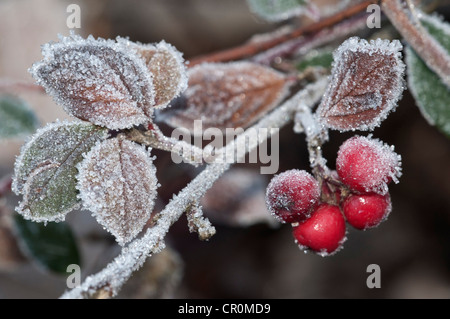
(191, 154)
(254, 47)
(431, 52)
(301, 45)
(116, 273)
(7, 85)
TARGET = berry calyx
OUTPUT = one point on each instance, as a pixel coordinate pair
(367, 210)
(292, 195)
(323, 232)
(367, 165)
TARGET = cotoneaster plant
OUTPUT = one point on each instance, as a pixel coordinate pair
(119, 91)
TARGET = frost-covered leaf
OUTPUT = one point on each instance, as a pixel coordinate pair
(53, 245)
(96, 80)
(277, 10)
(45, 171)
(166, 64)
(227, 95)
(366, 84)
(117, 182)
(16, 117)
(431, 95)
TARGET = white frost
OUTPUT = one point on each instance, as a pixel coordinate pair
(373, 163)
(353, 90)
(96, 80)
(117, 182)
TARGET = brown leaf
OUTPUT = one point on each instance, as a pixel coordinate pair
(227, 95)
(117, 182)
(366, 84)
(166, 64)
(96, 80)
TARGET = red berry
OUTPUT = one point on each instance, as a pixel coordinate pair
(292, 195)
(367, 165)
(367, 210)
(323, 232)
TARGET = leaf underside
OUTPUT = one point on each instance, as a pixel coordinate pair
(431, 94)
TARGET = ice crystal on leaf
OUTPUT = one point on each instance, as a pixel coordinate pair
(366, 84)
(166, 64)
(96, 80)
(117, 182)
(227, 95)
(45, 172)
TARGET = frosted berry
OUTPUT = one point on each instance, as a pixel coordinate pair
(292, 195)
(367, 165)
(323, 232)
(367, 210)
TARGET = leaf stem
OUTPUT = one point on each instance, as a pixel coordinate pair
(156, 139)
(254, 47)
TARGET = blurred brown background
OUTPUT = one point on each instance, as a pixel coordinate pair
(259, 261)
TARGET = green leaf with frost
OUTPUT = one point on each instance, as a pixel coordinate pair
(17, 119)
(431, 94)
(45, 171)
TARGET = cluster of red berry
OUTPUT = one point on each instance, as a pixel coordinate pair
(356, 193)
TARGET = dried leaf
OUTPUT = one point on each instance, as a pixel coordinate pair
(227, 95)
(166, 64)
(117, 182)
(45, 172)
(366, 84)
(96, 80)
